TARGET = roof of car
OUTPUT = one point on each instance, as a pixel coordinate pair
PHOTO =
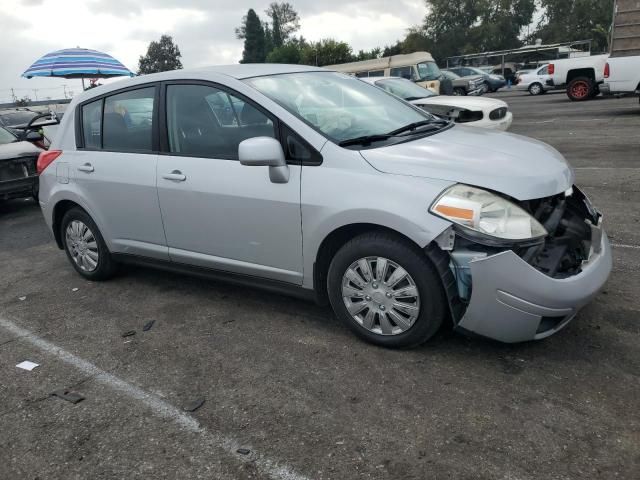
(237, 71)
(375, 79)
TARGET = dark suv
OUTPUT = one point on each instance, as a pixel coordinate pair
(492, 83)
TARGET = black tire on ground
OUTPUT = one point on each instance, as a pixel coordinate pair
(536, 89)
(106, 267)
(433, 304)
(459, 91)
(486, 88)
(580, 89)
(35, 192)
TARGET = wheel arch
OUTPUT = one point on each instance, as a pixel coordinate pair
(60, 208)
(590, 73)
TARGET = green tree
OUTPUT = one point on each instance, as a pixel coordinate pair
(455, 27)
(252, 31)
(161, 56)
(569, 20)
(326, 52)
(284, 22)
(290, 52)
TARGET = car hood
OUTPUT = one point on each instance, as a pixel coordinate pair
(470, 103)
(518, 166)
(10, 151)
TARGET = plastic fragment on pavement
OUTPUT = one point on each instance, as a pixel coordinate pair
(243, 451)
(147, 326)
(194, 405)
(68, 395)
(130, 333)
(27, 365)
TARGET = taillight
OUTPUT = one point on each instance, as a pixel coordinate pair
(607, 71)
(45, 159)
(552, 69)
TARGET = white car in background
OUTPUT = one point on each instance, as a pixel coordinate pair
(472, 111)
(536, 81)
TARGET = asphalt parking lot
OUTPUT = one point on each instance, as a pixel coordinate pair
(285, 380)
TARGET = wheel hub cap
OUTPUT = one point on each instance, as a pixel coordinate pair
(380, 295)
(82, 246)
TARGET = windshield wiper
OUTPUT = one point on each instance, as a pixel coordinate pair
(366, 139)
(415, 125)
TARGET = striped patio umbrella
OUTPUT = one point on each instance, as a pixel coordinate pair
(77, 63)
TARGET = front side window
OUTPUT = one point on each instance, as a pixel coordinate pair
(428, 71)
(376, 73)
(128, 120)
(208, 122)
(402, 72)
(91, 124)
(405, 89)
(338, 106)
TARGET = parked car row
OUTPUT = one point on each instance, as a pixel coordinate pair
(472, 111)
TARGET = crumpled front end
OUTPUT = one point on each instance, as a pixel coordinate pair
(530, 292)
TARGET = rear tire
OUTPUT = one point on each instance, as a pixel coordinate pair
(395, 315)
(85, 247)
(536, 89)
(580, 89)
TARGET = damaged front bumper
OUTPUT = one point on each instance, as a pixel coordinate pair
(514, 302)
(526, 291)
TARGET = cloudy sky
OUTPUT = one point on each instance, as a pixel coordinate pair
(203, 29)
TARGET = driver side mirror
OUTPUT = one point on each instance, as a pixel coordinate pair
(265, 151)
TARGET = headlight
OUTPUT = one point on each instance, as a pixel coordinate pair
(486, 213)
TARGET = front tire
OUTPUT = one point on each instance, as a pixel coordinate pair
(458, 91)
(85, 247)
(386, 291)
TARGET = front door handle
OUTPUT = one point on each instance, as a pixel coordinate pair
(87, 167)
(176, 176)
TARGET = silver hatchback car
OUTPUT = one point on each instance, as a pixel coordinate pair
(311, 182)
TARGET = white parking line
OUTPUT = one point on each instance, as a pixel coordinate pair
(160, 407)
(606, 168)
(622, 245)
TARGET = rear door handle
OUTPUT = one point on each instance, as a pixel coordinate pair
(87, 167)
(176, 176)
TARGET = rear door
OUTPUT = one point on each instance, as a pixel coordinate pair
(115, 170)
(218, 213)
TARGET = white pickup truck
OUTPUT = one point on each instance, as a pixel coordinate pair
(581, 76)
(622, 76)
(622, 71)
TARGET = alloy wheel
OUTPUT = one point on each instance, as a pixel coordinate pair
(82, 245)
(580, 89)
(380, 295)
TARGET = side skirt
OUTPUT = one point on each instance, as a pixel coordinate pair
(274, 286)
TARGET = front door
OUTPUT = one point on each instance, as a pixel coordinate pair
(218, 213)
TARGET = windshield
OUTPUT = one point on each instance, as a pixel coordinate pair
(17, 118)
(428, 71)
(6, 137)
(404, 89)
(339, 106)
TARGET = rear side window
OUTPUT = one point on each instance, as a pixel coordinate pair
(91, 123)
(376, 73)
(128, 120)
(544, 70)
(208, 122)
